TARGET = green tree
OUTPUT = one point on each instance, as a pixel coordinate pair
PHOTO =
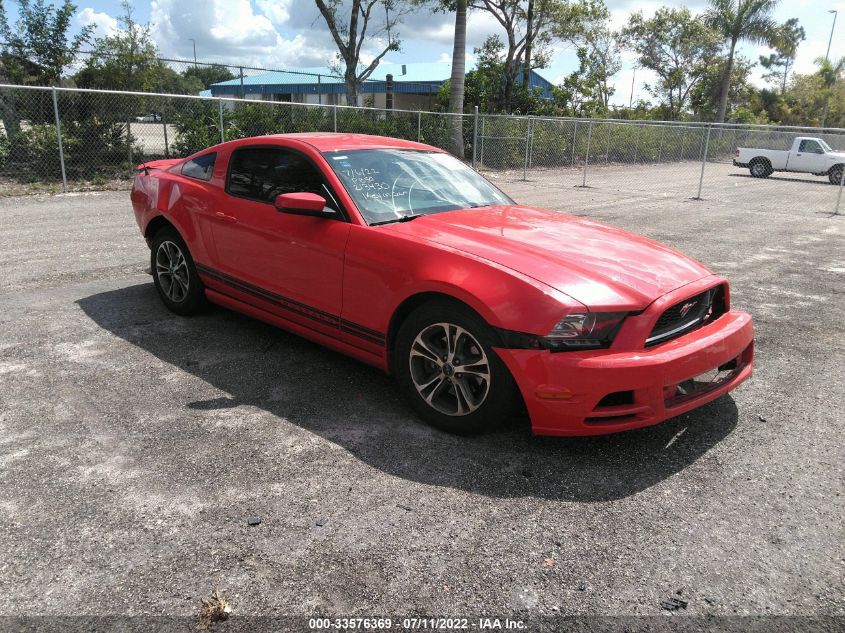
(37, 49)
(790, 34)
(603, 59)
(531, 26)
(351, 26)
(677, 47)
(484, 85)
(806, 97)
(577, 94)
(830, 74)
(705, 95)
(737, 21)
(208, 74)
(127, 60)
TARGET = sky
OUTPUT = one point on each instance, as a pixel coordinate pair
(284, 34)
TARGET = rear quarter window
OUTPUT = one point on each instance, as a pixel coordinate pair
(200, 167)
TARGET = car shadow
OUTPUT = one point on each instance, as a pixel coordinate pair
(824, 182)
(358, 408)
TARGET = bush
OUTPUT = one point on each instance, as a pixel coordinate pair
(197, 126)
(90, 148)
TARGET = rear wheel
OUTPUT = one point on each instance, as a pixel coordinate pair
(835, 175)
(447, 369)
(175, 275)
(759, 169)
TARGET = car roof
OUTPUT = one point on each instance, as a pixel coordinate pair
(328, 141)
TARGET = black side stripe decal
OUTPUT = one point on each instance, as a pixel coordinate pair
(302, 309)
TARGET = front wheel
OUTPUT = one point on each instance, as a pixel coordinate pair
(447, 369)
(835, 175)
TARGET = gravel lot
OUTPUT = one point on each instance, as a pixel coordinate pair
(134, 445)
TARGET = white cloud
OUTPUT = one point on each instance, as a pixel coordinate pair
(277, 11)
(440, 28)
(230, 31)
(104, 24)
(235, 23)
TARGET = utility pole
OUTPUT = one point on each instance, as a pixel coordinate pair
(633, 76)
(195, 50)
(833, 26)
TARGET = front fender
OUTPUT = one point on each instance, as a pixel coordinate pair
(384, 270)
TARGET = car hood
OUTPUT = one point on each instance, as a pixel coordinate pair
(597, 265)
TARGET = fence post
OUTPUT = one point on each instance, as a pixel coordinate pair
(220, 115)
(607, 149)
(527, 137)
(59, 137)
(164, 127)
(531, 146)
(527, 134)
(839, 197)
(587, 157)
(334, 116)
(129, 140)
(703, 162)
(483, 129)
(574, 137)
(660, 147)
(241, 69)
(419, 125)
(474, 134)
(636, 145)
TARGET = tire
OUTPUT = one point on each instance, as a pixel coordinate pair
(759, 169)
(835, 174)
(464, 403)
(175, 275)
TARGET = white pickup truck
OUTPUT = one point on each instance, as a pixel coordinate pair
(809, 155)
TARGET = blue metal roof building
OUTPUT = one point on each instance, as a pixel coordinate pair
(415, 86)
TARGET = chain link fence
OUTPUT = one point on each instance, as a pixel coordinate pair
(58, 139)
(653, 158)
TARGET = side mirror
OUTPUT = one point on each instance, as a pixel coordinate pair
(303, 203)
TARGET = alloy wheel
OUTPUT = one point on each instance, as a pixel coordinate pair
(172, 271)
(450, 369)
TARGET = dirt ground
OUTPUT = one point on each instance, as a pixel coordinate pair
(135, 445)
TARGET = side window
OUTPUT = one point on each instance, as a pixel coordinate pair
(263, 173)
(811, 147)
(200, 167)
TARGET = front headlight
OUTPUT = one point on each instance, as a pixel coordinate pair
(588, 330)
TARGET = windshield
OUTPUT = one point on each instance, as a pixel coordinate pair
(825, 146)
(389, 185)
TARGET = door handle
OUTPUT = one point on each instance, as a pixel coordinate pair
(226, 218)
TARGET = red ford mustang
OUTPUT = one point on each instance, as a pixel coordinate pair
(399, 255)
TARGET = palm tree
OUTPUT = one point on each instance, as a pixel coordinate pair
(736, 21)
(456, 84)
(829, 72)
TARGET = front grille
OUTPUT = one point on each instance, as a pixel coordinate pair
(687, 315)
